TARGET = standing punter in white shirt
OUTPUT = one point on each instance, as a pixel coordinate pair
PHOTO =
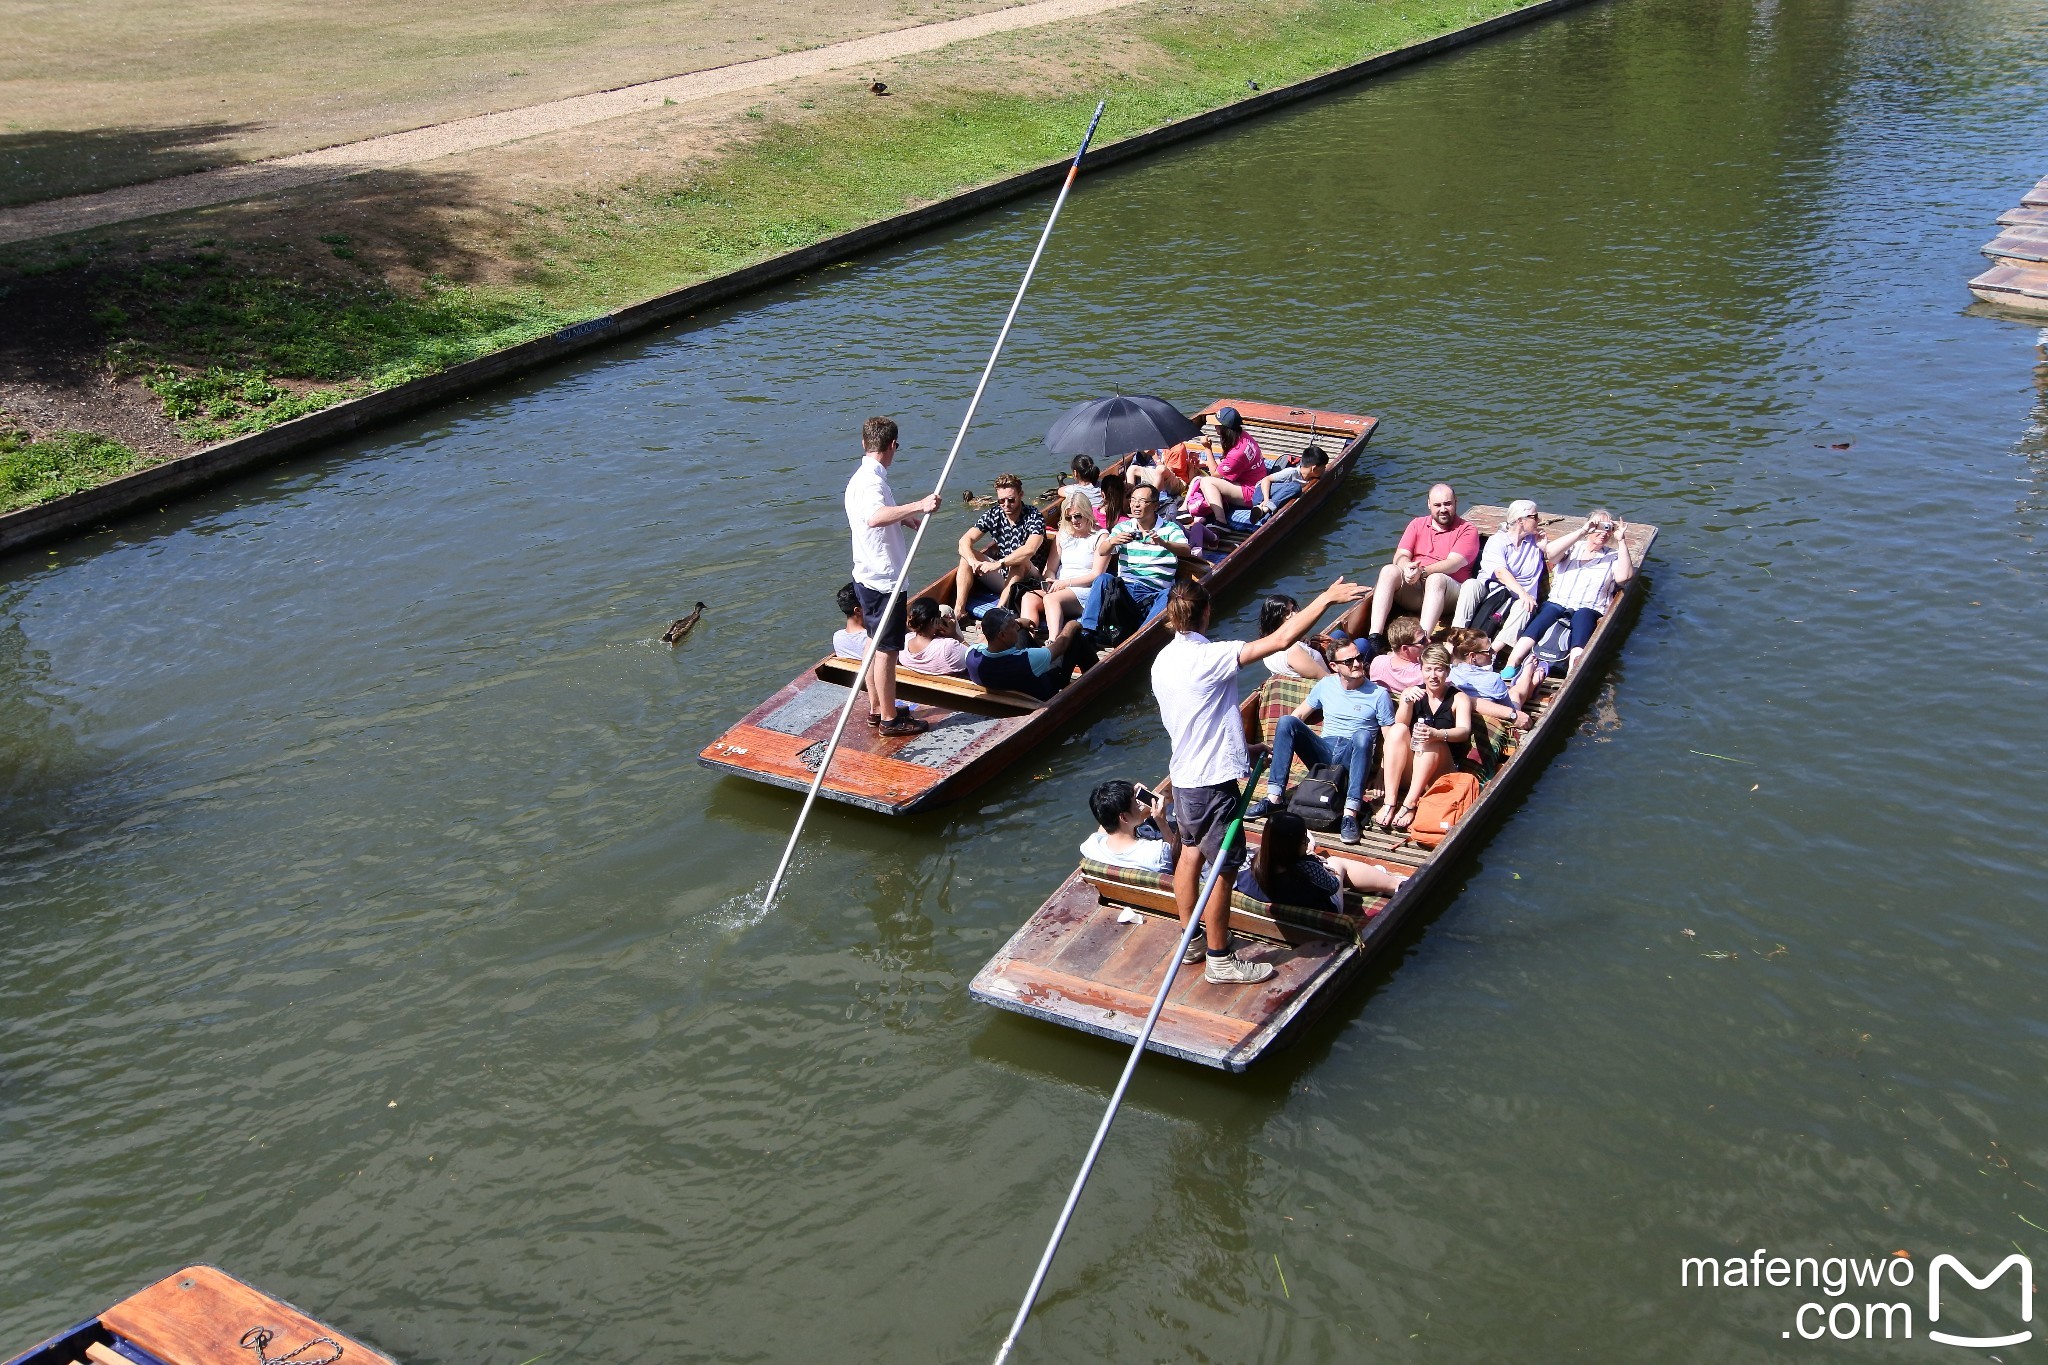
(1195, 681)
(877, 524)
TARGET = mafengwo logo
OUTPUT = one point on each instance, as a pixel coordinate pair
(1860, 1286)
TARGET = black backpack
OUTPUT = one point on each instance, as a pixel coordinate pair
(1319, 798)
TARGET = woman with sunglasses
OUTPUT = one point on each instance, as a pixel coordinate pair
(1438, 719)
(1587, 567)
(1073, 568)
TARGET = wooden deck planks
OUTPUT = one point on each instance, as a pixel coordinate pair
(199, 1315)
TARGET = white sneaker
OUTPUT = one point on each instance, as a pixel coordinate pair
(1234, 971)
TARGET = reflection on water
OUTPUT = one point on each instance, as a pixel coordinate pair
(371, 931)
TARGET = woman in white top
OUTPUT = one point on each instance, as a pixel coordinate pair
(1586, 567)
(1305, 660)
(1072, 571)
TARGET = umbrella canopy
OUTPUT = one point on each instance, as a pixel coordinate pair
(1108, 427)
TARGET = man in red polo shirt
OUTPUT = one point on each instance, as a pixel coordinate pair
(1436, 554)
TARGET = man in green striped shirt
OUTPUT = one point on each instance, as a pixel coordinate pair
(1151, 550)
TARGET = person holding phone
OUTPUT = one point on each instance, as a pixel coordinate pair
(1587, 567)
(1150, 552)
(1129, 835)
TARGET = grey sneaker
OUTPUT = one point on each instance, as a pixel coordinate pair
(1234, 971)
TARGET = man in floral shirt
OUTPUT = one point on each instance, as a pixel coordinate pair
(1016, 534)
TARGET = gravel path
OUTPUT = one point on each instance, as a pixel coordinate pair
(228, 183)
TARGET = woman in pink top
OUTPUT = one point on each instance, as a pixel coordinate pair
(931, 643)
(1233, 480)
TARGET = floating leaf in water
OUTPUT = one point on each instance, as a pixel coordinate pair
(1688, 933)
(1720, 955)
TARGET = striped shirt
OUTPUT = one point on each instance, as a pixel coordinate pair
(1150, 560)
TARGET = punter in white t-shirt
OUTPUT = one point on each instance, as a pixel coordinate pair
(1195, 681)
(877, 521)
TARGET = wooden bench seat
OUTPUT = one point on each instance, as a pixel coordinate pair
(836, 669)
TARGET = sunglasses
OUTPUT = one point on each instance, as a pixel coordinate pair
(1349, 661)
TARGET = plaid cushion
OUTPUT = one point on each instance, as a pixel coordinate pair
(1324, 921)
(1278, 697)
(1129, 876)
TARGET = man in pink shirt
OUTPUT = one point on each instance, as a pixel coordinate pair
(1436, 554)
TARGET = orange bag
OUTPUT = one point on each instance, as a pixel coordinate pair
(1443, 806)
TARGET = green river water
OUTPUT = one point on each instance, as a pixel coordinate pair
(370, 930)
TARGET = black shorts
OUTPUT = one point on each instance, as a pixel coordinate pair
(888, 638)
(1202, 814)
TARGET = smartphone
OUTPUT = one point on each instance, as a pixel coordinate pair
(1146, 794)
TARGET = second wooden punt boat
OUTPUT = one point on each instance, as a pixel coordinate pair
(975, 733)
(1084, 961)
(2018, 277)
(200, 1316)
(2021, 288)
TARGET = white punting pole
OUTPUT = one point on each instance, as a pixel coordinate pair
(1123, 1083)
(860, 678)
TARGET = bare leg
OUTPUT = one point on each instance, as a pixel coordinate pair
(1388, 595)
(1393, 769)
(1434, 757)
(1034, 611)
(882, 684)
(963, 587)
(1368, 877)
(1434, 589)
(1055, 616)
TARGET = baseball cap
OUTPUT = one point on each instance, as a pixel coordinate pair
(1519, 508)
(1227, 417)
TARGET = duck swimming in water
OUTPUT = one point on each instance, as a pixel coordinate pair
(682, 626)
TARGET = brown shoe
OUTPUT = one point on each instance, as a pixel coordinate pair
(902, 725)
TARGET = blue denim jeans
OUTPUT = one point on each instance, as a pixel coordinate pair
(1293, 737)
(1108, 589)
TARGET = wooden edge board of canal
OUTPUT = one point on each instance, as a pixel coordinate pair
(975, 733)
(199, 1316)
(1080, 962)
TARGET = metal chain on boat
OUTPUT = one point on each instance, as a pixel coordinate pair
(258, 1339)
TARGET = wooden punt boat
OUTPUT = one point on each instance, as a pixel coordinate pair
(200, 1316)
(976, 733)
(2020, 288)
(2037, 197)
(2019, 244)
(2025, 217)
(1081, 961)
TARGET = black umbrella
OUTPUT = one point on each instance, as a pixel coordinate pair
(1108, 427)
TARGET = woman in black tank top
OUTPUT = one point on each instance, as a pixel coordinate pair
(1439, 720)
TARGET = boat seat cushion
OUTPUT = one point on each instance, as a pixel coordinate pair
(1323, 921)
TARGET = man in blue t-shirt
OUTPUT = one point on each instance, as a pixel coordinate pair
(1002, 665)
(1354, 712)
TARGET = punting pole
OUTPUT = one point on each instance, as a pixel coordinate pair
(1116, 1098)
(860, 677)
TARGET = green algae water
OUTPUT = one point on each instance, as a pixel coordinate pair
(369, 929)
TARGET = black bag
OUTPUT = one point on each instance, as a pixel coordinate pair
(1319, 798)
(1493, 610)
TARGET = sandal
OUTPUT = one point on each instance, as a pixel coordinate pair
(1383, 818)
(1400, 823)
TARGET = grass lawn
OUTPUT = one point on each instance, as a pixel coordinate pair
(237, 332)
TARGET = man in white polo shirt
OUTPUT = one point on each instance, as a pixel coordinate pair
(877, 524)
(1195, 681)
